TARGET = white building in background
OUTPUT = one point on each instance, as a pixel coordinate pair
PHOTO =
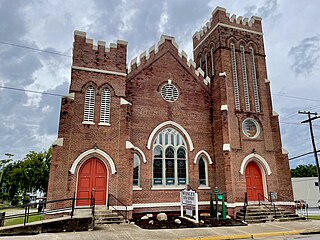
(306, 188)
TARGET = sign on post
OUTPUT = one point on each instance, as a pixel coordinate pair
(189, 203)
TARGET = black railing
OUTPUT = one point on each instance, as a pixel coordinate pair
(245, 206)
(287, 202)
(117, 206)
(60, 206)
(268, 204)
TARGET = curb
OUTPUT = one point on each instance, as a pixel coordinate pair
(256, 235)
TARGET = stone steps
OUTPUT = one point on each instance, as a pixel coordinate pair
(264, 213)
(107, 216)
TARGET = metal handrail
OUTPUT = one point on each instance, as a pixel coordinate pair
(272, 203)
(117, 210)
(245, 205)
(27, 207)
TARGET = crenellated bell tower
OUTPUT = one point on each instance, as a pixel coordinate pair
(247, 143)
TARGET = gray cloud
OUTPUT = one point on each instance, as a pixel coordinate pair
(305, 56)
(269, 8)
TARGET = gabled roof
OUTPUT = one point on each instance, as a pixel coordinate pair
(156, 51)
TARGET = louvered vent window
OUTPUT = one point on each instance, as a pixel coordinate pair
(169, 92)
(235, 77)
(245, 79)
(212, 61)
(255, 82)
(105, 106)
(89, 105)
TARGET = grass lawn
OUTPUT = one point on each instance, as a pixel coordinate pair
(314, 217)
(15, 221)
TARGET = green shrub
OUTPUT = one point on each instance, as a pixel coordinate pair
(15, 201)
(25, 200)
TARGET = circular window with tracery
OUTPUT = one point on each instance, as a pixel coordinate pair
(169, 92)
(251, 128)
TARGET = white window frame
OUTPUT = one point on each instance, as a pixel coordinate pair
(235, 77)
(206, 171)
(245, 78)
(88, 116)
(178, 142)
(255, 81)
(136, 156)
(105, 107)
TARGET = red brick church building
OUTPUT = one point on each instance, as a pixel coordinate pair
(142, 132)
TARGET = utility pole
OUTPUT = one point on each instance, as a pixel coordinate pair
(309, 120)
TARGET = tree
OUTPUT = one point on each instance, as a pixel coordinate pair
(29, 174)
(304, 171)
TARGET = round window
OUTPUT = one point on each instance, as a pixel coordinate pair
(250, 128)
(169, 92)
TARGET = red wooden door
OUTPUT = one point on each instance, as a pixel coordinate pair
(253, 181)
(92, 175)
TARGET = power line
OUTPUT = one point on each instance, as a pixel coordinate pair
(35, 49)
(301, 155)
(301, 98)
(293, 123)
(32, 91)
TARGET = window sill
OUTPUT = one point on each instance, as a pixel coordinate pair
(103, 124)
(137, 188)
(88, 123)
(167, 188)
(204, 188)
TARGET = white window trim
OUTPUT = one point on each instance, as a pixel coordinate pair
(175, 147)
(104, 124)
(89, 104)
(206, 171)
(105, 108)
(179, 127)
(88, 123)
(197, 157)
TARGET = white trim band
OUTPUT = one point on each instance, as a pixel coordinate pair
(86, 153)
(229, 26)
(204, 153)
(260, 160)
(99, 71)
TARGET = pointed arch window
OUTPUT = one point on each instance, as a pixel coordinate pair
(169, 159)
(235, 76)
(105, 106)
(212, 61)
(255, 81)
(245, 79)
(203, 172)
(136, 170)
(206, 64)
(88, 116)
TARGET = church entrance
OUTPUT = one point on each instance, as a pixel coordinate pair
(92, 177)
(253, 181)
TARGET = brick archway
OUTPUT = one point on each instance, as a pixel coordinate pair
(92, 175)
(254, 182)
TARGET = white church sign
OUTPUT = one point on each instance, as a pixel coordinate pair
(189, 203)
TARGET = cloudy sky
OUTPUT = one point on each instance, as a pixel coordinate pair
(29, 121)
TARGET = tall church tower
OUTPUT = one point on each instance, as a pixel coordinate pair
(246, 136)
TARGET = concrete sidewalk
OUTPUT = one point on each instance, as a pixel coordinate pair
(132, 232)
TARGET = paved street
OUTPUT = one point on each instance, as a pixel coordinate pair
(279, 230)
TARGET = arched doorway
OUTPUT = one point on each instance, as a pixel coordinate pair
(92, 175)
(253, 181)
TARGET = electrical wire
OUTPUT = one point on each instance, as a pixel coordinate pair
(32, 91)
